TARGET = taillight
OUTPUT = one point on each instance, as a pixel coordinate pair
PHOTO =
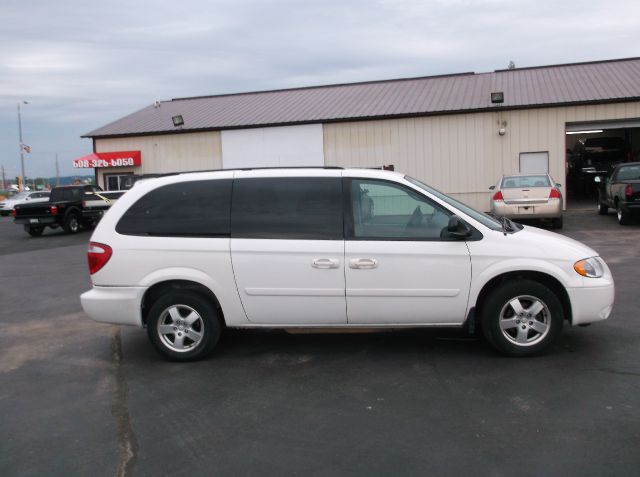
(98, 254)
(554, 194)
(628, 191)
(498, 196)
(13, 213)
(54, 210)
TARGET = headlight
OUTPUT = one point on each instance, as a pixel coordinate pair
(589, 267)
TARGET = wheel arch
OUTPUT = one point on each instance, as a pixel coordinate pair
(158, 289)
(73, 210)
(545, 279)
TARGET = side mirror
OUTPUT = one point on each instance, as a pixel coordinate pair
(597, 179)
(27, 198)
(458, 228)
(492, 187)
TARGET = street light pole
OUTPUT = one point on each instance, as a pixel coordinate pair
(23, 183)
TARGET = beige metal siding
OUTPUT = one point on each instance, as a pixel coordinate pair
(167, 153)
(462, 154)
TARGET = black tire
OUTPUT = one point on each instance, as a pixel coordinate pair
(35, 231)
(181, 305)
(71, 223)
(622, 214)
(520, 336)
(603, 209)
(556, 223)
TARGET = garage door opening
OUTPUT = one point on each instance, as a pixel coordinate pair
(593, 149)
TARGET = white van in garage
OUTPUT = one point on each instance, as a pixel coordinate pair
(186, 255)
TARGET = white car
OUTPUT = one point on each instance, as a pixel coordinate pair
(528, 196)
(7, 205)
(331, 248)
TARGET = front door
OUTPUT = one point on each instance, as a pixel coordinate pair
(287, 249)
(400, 267)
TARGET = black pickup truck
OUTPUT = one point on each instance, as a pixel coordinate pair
(620, 190)
(69, 207)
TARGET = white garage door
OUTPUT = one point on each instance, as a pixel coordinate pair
(534, 162)
(288, 146)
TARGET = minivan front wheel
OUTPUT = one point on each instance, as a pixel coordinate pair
(183, 326)
(522, 318)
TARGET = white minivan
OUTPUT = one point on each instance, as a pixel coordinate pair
(189, 254)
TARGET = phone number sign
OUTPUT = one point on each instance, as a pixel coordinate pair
(109, 159)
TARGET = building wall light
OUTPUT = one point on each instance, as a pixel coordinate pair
(178, 120)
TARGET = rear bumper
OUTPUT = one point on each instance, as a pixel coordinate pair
(590, 304)
(115, 305)
(633, 207)
(551, 210)
(35, 220)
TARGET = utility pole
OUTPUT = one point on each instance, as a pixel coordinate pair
(24, 183)
(4, 183)
(57, 171)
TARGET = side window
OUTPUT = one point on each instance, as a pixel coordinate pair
(288, 208)
(386, 211)
(185, 209)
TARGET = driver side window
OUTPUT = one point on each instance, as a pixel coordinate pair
(386, 211)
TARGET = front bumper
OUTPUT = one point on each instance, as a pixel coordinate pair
(115, 305)
(590, 304)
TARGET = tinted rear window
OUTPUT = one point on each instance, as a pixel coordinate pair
(629, 173)
(288, 208)
(185, 209)
(67, 193)
(520, 182)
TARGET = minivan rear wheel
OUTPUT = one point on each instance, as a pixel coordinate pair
(183, 326)
(522, 318)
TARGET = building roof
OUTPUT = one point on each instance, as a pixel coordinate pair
(543, 86)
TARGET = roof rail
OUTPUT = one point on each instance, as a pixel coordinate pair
(260, 169)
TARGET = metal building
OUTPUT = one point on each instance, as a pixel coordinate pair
(458, 132)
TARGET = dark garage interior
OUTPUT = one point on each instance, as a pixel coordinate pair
(593, 149)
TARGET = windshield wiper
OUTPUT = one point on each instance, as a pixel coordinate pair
(507, 224)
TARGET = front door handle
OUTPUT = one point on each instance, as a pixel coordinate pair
(363, 263)
(325, 263)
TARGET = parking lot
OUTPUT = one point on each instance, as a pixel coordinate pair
(79, 398)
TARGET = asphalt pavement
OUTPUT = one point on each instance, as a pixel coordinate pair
(81, 398)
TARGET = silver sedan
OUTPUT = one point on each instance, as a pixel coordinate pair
(528, 196)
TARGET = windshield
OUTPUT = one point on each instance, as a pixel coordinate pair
(20, 196)
(484, 219)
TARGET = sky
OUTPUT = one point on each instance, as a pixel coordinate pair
(81, 65)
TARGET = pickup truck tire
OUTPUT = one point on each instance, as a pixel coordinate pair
(603, 209)
(521, 318)
(183, 326)
(623, 215)
(71, 223)
(35, 231)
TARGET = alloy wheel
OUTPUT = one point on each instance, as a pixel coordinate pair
(525, 320)
(180, 328)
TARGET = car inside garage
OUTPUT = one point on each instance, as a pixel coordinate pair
(593, 149)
